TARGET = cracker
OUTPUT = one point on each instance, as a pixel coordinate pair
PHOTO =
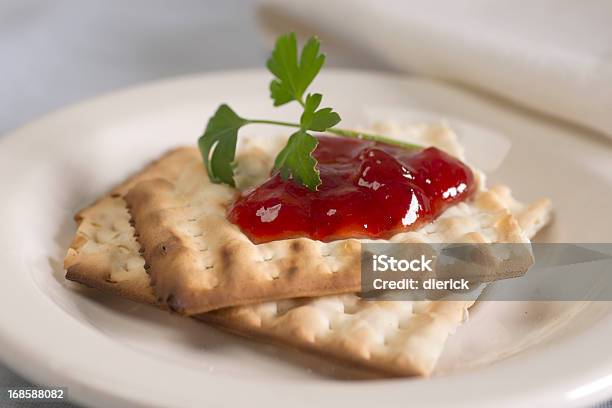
(104, 253)
(199, 261)
(399, 338)
(395, 338)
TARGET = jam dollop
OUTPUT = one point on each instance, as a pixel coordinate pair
(369, 190)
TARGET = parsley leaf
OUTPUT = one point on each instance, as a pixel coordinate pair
(218, 144)
(317, 120)
(293, 76)
(296, 161)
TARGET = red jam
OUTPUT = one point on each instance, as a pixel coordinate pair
(368, 190)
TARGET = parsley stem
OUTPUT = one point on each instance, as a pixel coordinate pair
(273, 122)
(344, 132)
(372, 137)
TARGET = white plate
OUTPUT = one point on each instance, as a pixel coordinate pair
(111, 352)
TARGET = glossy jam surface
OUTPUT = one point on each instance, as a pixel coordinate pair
(368, 190)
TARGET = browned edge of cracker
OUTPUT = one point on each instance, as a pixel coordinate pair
(165, 250)
(94, 269)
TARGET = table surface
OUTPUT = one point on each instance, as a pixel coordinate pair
(59, 52)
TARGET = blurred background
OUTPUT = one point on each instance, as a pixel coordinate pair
(550, 56)
(59, 52)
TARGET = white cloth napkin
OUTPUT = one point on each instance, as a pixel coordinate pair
(553, 56)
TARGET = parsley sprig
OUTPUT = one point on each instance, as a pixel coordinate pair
(293, 74)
